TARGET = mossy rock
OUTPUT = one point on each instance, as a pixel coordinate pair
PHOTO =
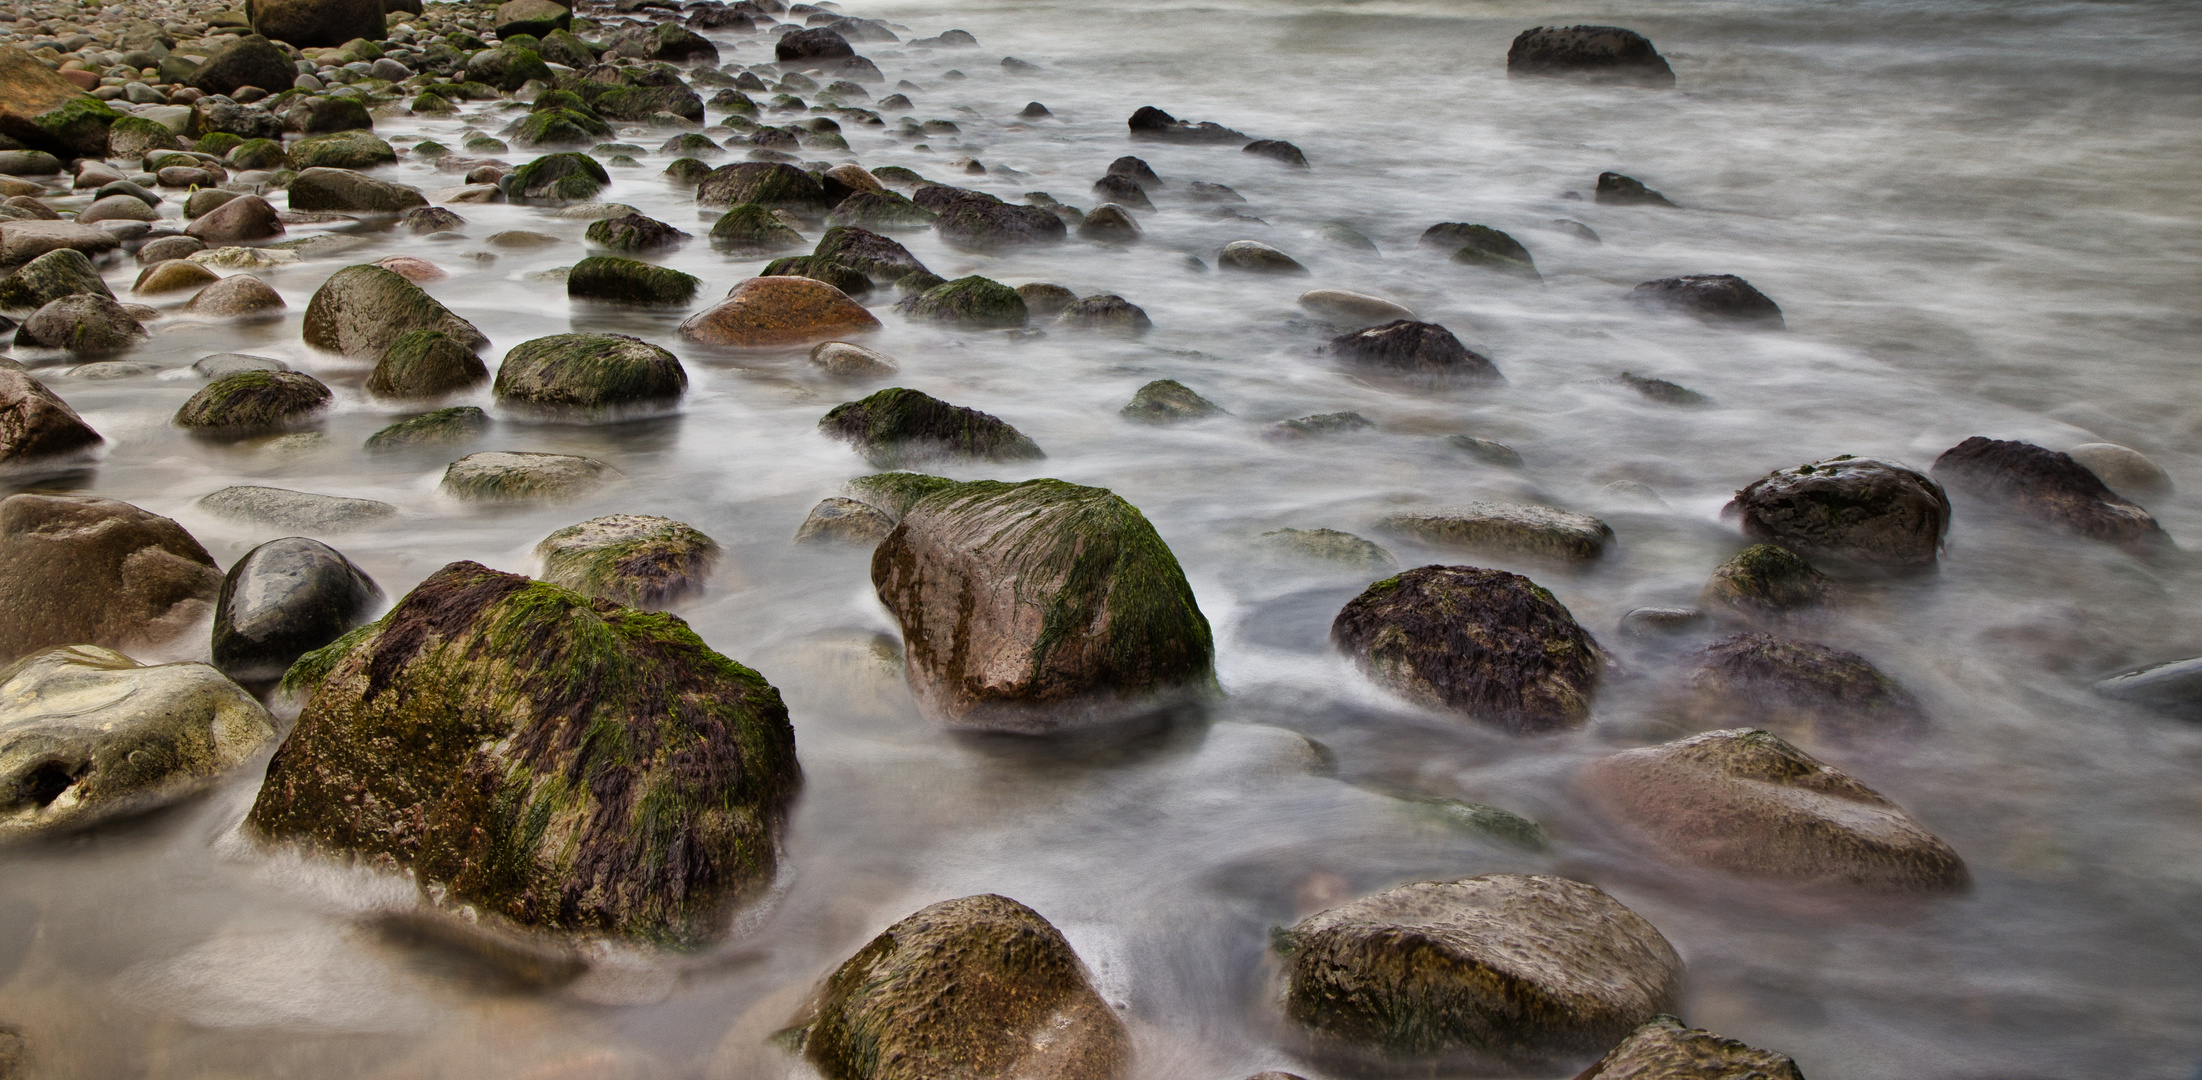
(519, 476)
(838, 520)
(1331, 546)
(1800, 688)
(629, 281)
(1166, 401)
(430, 103)
(257, 154)
(861, 249)
(589, 373)
(424, 364)
(1857, 512)
(897, 425)
(558, 127)
(558, 178)
(630, 559)
(896, 492)
(1663, 1048)
(1764, 581)
(561, 763)
(634, 232)
(562, 47)
(132, 136)
(1041, 606)
(443, 427)
(483, 144)
(771, 184)
(975, 303)
(49, 277)
(817, 269)
(639, 104)
(507, 68)
(362, 310)
(80, 124)
(687, 171)
(691, 144)
(748, 228)
(880, 210)
(340, 150)
(254, 401)
(217, 143)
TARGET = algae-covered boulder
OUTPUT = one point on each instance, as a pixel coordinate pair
(1744, 802)
(634, 232)
(1491, 646)
(867, 252)
(612, 279)
(426, 364)
(750, 229)
(975, 221)
(1331, 546)
(453, 426)
(897, 425)
(49, 277)
(1852, 511)
(354, 149)
(765, 312)
(507, 67)
(557, 179)
(363, 310)
(1598, 54)
(851, 282)
(975, 303)
(532, 17)
(86, 324)
(253, 401)
(345, 191)
(558, 127)
(631, 559)
(589, 373)
(88, 734)
(773, 185)
(879, 210)
(1106, 311)
(240, 219)
(2048, 486)
(518, 476)
(1519, 529)
(77, 569)
(1663, 1049)
(1167, 401)
(896, 492)
(981, 986)
(1507, 973)
(34, 421)
(42, 109)
(1712, 298)
(283, 600)
(1801, 688)
(1040, 606)
(1764, 581)
(1419, 351)
(447, 738)
(839, 520)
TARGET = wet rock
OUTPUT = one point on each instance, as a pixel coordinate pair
(1255, 257)
(1110, 223)
(633, 560)
(1800, 688)
(362, 310)
(444, 427)
(88, 734)
(34, 422)
(844, 521)
(1135, 169)
(426, 364)
(314, 23)
(841, 360)
(534, 17)
(773, 185)
(1332, 546)
(971, 303)
(49, 277)
(1105, 312)
(1152, 123)
(1355, 307)
(1123, 190)
(1716, 298)
(22, 241)
(1615, 189)
(653, 844)
(1166, 401)
(169, 247)
(302, 510)
(41, 107)
(629, 281)
(880, 210)
(1855, 511)
(2175, 685)
(1485, 644)
(2047, 486)
(589, 373)
(1040, 606)
(1486, 451)
(84, 324)
(1321, 424)
(220, 115)
(1537, 532)
(556, 179)
(1419, 351)
(1662, 391)
(1277, 150)
(349, 192)
(1044, 301)
(2121, 469)
(635, 232)
(75, 569)
(507, 68)
(1604, 54)
(236, 296)
(347, 149)
(432, 219)
(883, 1015)
(840, 277)
(252, 401)
(1660, 622)
(510, 476)
(1481, 245)
(415, 270)
(174, 275)
(806, 48)
(1515, 972)
(976, 221)
(867, 252)
(1764, 581)
(222, 364)
(897, 426)
(749, 229)
(252, 60)
(243, 219)
(283, 600)
(1663, 1048)
(117, 208)
(668, 42)
(765, 312)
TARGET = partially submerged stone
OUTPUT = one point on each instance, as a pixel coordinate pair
(629, 281)
(1764, 581)
(635, 560)
(1537, 532)
(1482, 245)
(1353, 307)
(1716, 298)
(283, 600)
(557, 179)
(88, 734)
(1663, 1049)
(444, 427)
(1855, 511)
(345, 191)
(1599, 54)
(770, 184)
(839, 520)
(2048, 486)
(1419, 351)
(750, 229)
(1491, 646)
(1040, 606)
(841, 360)
(1166, 401)
(1106, 311)
(632, 232)
(896, 492)
(49, 277)
(237, 296)
(1798, 687)
(589, 374)
(34, 422)
(1255, 257)
(867, 252)
(307, 511)
(516, 475)
(2124, 470)
(975, 303)
(651, 829)
(362, 310)
(1615, 189)
(766, 312)
(897, 425)
(254, 401)
(1332, 546)
(426, 364)
(83, 323)
(77, 569)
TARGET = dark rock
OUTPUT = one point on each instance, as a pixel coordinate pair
(1854, 511)
(362, 310)
(315, 23)
(249, 61)
(1606, 54)
(1152, 123)
(1277, 150)
(1799, 687)
(2047, 486)
(1712, 298)
(85, 324)
(507, 68)
(220, 115)
(1122, 190)
(1481, 245)
(1045, 301)
(770, 184)
(349, 192)
(320, 117)
(1662, 391)
(1135, 170)
(807, 47)
(1255, 257)
(877, 256)
(1321, 424)
(880, 210)
(589, 373)
(668, 42)
(750, 229)
(629, 281)
(443, 427)
(1663, 1048)
(1424, 352)
(49, 277)
(840, 277)
(534, 17)
(976, 221)
(168, 248)
(1033, 110)
(897, 426)
(631, 559)
(1165, 401)
(1110, 223)
(242, 220)
(1486, 451)
(75, 569)
(426, 364)
(557, 179)
(283, 600)
(972, 303)
(634, 232)
(253, 401)
(1105, 312)
(1615, 189)
(34, 422)
(1764, 581)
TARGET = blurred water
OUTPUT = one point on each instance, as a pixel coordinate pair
(1978, 217)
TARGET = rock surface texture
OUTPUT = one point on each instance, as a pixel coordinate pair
(2048, 486)
(636, 560)
(1593, 53)
(1854, 511)
(1663, 1049)
(283, 600)
(82, 570)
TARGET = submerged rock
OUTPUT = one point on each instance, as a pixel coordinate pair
(975, 221)
(495, 801)
(84, 324)
(1764, 581)
(426, 364)
(350, 192)
(34, 421)
(2048, 486)
(1488, 451)
(1514, 972)
(283, 600)
(1166, 401)
(1660, 390)
(629, 281)
(1488, 645)
(1539, 532)
(1045, 301)
(556, 179)
(287, 509)
(764, 312)
(974, 302)
(771, 184)
(1105, 312)
(635, 232)
(897, 426)
(77, 569)
(2125, 471)
(589, 373)
(1354, 307)
(254, 401)
(1332, 546)
(1152, 123)
(1604, 54)
(88, 734)
(1481, 245)
(750, 229)
(1798, 687)
(841, 360)
(1615, 189)
(443, 427)
(1662, 1049)
(1039, 607)
(1276, 150)
(635, 560)
(363, 310)
(896, 492)
(1419, 351)
(2174, 685)
(236, 296)
(515, 475)
(1255, 257)
(1712, 298)
(839, 520)
(980, 986)
(1855, 511)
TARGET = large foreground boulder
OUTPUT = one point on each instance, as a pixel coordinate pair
(589, 374)
(765, 312)
(40, 108)
(1663, 1049)
(1802, 688)
(1491, 646)
(88, 734)
(1859, 512)
(283, 600)
(1420, 351)
(1606, 54)
(977, 987)
(632, 559)
(897, 426)
(316, 23)
(1501, 972)
(1744, 802)
(650, 828)
(2047, 486)
(34, 421)
(1039, 607)
(363, 310)
(82, 570)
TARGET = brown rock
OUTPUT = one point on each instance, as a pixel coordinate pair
(22, 241)
(81, 570)
(412, 269)
(36, 103)
(1855, 511)
(33, 421)
(2048, 486)
(241, 294)
(174, 275)
(772, 311)
(1663, 1049)
(1799, 687)
(85, 324)
(240, 220)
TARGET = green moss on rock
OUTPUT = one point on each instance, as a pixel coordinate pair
(559, 127)
(558, 178)
(771, 184)
(443, 427)
(254, 401)
(1165, 401)
(629, 281)
(631, 559)
(897, 425)
(748, 229)
(425, 363)
(977, 303)
(894, 492)
(1764, 580)
(589, 372)
(80, 124)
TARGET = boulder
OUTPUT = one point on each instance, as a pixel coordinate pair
(629, 281)
(507, 67)
(236, 296)
(1713, 298)
(252, 60)
(513, 476)
(319, 116)
(1110, 224)
(49, 277)
(765, 312)
(253, 401)
(1801, 688)
(453, 426)
(1152, 123)
(88, 734)
(1857, 512)
(1040, 606)
(1662, 1049)
(1418, 351)
(241, 220)
(1513, 973)
(556, 179)
(76, 569)
(971, 303)
(840, 277)
(169, 247)
(750, 229)
(1487, 451)
(1045, 301)
(897, 426)
(978, 222)
(534, 17)
(880, 210)
(868, 253)
(85, 324)
(635, 232)
(667, 42)
(841, 360)
(896, 492)
(1521, 529)
(848, 179)
(1603, 54)
(349, 192)
(1277, 150)
(305, 511)
(34, 422)
(772, 185)
(979, 986)
(229, 363)
(1615, 189)
(1331, 546)
(1105, 312)
(22, 241)
(220, 115)
(1255, 257)
(818, 46)
(1485, 644)
(1765, 582)
(20, 162)
(633, 560)
(589, 374)
(559, 127)
(1482, 245)
(1358, 308)
(1167, 401)
(2124, 470)
(839, 520)
(346, 149)
(40, 108)
(117, 208)
(1744, 802)
(2047, 486)
(495, 803)
(431, 219)
(283, 600)
(309, 24)
(1660, 390)
(426, 364)
(1122, 190)
(363, 310)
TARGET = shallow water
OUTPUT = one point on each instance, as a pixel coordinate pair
(1977, 217)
